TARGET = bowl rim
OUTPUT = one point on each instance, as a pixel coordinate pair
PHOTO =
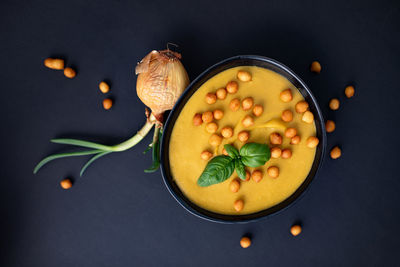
(288, 202)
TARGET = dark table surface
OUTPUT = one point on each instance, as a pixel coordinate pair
(118, 216)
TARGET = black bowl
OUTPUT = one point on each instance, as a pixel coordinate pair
(210, 72)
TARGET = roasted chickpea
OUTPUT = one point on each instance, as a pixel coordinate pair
(207, 116)
(245, 242)
(247, 121)
(276, 152)
(247, 103)
(238, 205)
(308, 117)
(290, 132)
(243, 136)
(227, 132)
(232, 87)
(218, 114)
(221, 93)
(312, 141)
(301, 106)
(225, 152)
(215, 140)
(286, 153)
(247, 176)
(275, 139)
(295, 140)
(234, 185)
(69, 72)
(336, 152)
(206, 155)
(287, 115)
(286, 95)
(211, 98)
(107, 103)
(211, 127)
(244, 76)
(349, 91)
(330, 126)
(66, 183)
(256, 176)
(273, 171)
(234, 105)
(104, 87)
(334, 104)
(295, 230)
(258, 110)
(315, 67)
(197, 120)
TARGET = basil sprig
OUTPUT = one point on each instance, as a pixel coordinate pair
(220, 168)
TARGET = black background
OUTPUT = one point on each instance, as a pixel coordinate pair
(118, 216)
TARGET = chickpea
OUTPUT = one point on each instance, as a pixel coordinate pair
(286, 95)
(206, 155)
(245, 242)
(295, 230)
(244, 76)
(234, 105)
(54, 63)
(336, 152)
(315, 67)
(211, 98)
(247, 121)
(247, 103)
(295, 140)
(308, 117)
(330, 126)
(197, 120)
(286, 153)
(349, 91)
(247, 176)
(276, 152)
(215, 140)
(225, 152)
(312, 141)
(221, 93)
(258, 110)
(290, 132)
(69, 72)
(107, 103)
(227, 132)
(273, 171)
(257, 176)
(104, 87)
(232, 87)
(334, 104)
(207, 116)
(301, 106)
(238, 205)
(287, 115)
(243, 136)
(66, 183)
(234, 185)
(218, 114)
(275, 139)
(211, 127)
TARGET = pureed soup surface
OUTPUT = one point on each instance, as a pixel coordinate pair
(188, 141)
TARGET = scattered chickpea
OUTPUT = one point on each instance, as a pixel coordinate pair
(258, 110)
(287, 115)
(221, 93)
(54, 63)
(336, 152)
(295, 230)
(286, 95)
(227, 132)
(290, 132)
(301, 106)
(66, 183)
(206, 155)
(245, 242)
(232, 87)
(295, 140)
(247, 103)
(69, 72)
(218, 114)
(330, 126)
(275, 139)
(104, 87)
(224, 152)
(207, 116)
(235, 185)
(334, 104)
(256, 176)
(349, 91)
(211, 127)
(243, 136)
(312, 141)
(286, 153)
(273, 171)
(215, 140)
(247, 176)
(244, 76)
(107, 103)
(211, 98)
(238, 205)
(234, 105)
(315, 67)
(248, 121)
(197, 120)
(276, 152)
(308, 117)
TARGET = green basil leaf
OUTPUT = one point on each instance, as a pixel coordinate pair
(240, 170)
(255, 155)
(232, 151)
(217, 170)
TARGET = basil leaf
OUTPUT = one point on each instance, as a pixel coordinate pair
(232, 151)
(240, 170)
(217, 170)
(255, 155)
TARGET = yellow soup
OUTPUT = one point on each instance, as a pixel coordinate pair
(189, 141)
